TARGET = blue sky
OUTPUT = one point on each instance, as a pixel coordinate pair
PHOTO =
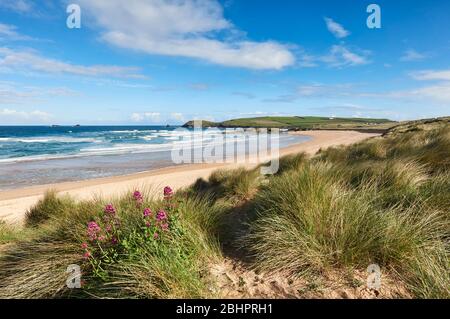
(157, 62)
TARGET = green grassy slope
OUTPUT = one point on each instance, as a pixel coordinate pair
(303, 122)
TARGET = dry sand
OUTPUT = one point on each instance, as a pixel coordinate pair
(14, 203)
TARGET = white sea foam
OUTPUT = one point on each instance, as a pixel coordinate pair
(167, 140)
(51, 140)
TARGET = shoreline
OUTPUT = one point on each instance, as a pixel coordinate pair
(14, 203)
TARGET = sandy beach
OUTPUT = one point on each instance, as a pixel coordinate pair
(14, 203)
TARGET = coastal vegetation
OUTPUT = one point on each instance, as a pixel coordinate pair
(382, 201)
(300, 123)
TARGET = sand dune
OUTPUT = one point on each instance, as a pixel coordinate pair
(14, 203)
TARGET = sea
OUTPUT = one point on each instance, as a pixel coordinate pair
(38, 155)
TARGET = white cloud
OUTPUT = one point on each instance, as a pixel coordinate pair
(340, 56)
(412, 55)
(10, 32)
(16, 93)
(152, 117)
(10, 94)
(336, 29)
(186, 28)
(438, 92)
(10, 116)
(307, 61)
(432, 75)
(177, 117)
(19, 6)
(137, 117)
(30, 60)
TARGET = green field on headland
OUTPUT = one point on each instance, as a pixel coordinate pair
(301, 123)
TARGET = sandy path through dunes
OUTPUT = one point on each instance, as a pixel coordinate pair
(14, 203)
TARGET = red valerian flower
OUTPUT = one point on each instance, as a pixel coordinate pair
(161, 215)
(137, 195)
(165, 226)
(109, 209)
(93, 230)
(168, 192)
(147, 212)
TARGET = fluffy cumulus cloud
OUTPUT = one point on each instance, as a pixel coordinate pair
(185, 28)
(336, 29)
(31, 61)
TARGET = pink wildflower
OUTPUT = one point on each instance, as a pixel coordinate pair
(165, 226)
(148, 224)
(161, 215)
(138, 197)
(84, 245)
(114, 241)
(93, 230)
(147, 212)
(109, 209)
(87, 255)
(155, 236)
(168, 192)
